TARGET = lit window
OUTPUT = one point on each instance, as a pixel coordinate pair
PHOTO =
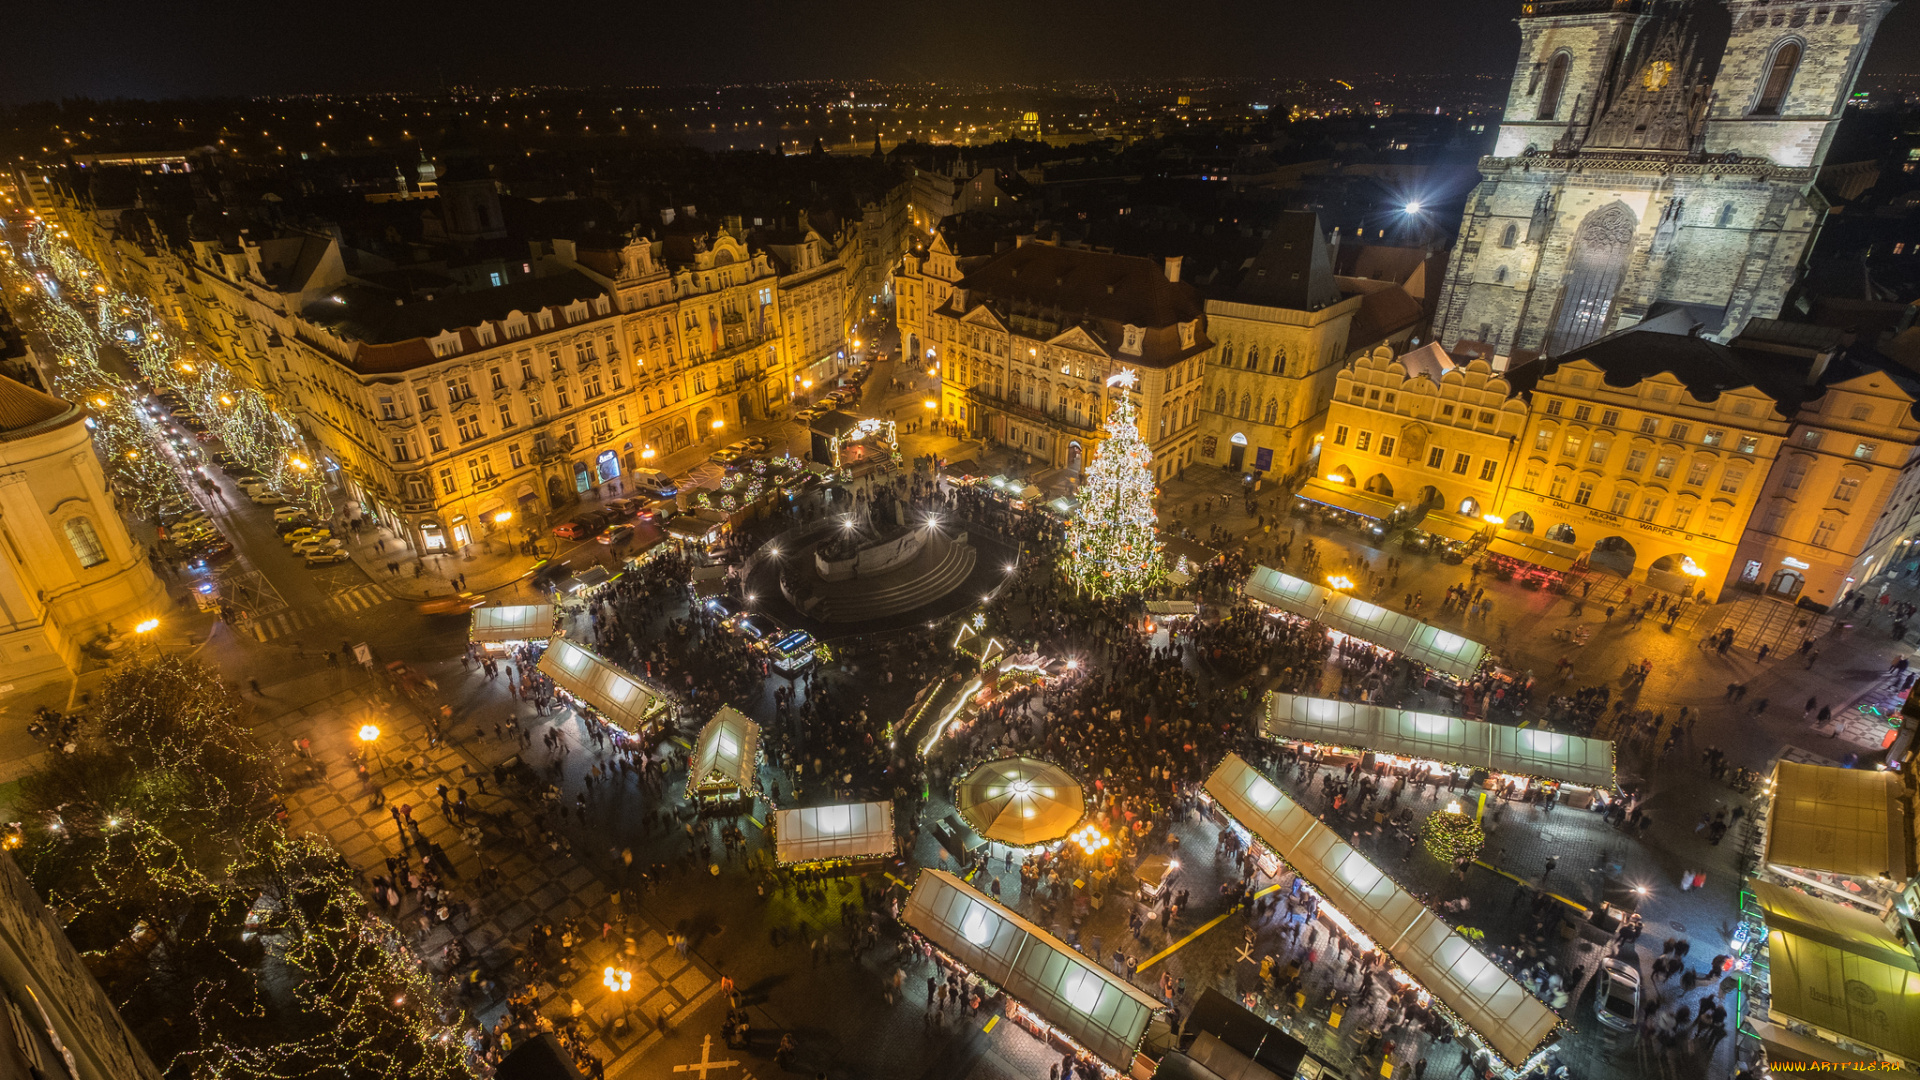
(1864, 451)
(1583, 494)
(85, 542)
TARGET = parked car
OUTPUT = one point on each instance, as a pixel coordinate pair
(1616, 997)
(728, 454)
(657, 484)
(317, 543)
(287, 525)
(756, 444)
(288, 513)
(267, 497)
(326, 558)
(622, 507)
(617, 534)
(305, 532)
(577, 529)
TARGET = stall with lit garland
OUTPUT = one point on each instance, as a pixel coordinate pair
(1053, 992)
(1444, 651)
(1534, 561)
(852, 443)
(1404, 740)
(725, 766)
(591, 682)
(1333, 499)
(1491, 1008)
(498, 630)
(841, 834)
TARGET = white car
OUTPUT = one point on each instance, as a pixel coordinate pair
(317, 546)
(289, 513)
(267, 497)
(1616, 999)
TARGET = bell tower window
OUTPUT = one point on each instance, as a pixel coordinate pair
(1786, 59)
(1556, 83)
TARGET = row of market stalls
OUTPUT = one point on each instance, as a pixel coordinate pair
(591, 681)
(1828, 941)
(501, 629)
(1404, 739)
(1493, 1009)
(1056, 994)
(1442, 650)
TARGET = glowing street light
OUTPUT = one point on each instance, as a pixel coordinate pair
(369, 733)
(618, 980)
(503, 517)
(718, 424)
(1690, 568)
(1493, 519)
(297, 463)
(147, 627)
(1336, 478)
(647, 453)
(930, 404)
(1340, 581)
(1412, 207)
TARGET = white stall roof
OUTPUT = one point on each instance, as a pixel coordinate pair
(611, 692)
(1570, 759)
(1442, 650)
(1096, 1008)
(1510, 1020)
(529, 622)
(846, 831)
(724, 754)
(1837, 821)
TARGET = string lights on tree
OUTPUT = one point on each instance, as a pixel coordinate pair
(1111, 546)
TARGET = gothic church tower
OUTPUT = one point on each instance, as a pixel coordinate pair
(1652, 153)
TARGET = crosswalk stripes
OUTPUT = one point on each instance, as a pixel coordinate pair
(279, 624)
(359, 598)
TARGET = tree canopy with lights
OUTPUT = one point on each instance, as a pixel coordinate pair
(1111, 547)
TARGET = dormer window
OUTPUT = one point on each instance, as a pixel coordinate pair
(515, 325)
(601, 305)
(1189, 333)
(1132, 339)
(485, 333)
(544, 319)
(447, 344)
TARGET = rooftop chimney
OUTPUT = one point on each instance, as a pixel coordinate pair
(1173, 267)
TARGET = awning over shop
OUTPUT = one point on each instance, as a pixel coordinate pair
(1452, 526)
(1857, 997)
(1495, 747)
(1831, 924)
(603, 687)
(1512, 1022)
(529, 622)
(1442, 650)
(1347, 497)
(1083, 1000)
(1838, 821)
(689, 527)
(1537, 550)
(723, 757)
(847, 831)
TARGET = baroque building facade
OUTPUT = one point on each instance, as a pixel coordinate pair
(1634, 172)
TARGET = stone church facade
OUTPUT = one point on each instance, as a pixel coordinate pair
(1642, 166)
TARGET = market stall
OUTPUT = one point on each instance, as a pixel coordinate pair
(498, 629)
(1183, 557)
(1837, 972)
(1840, 832)
(839, 833)
(1444, 533)
(593, 682)
(725, 766)
(1442, 650)
(1495, 1011)
(1533, 558)
(1342, 503)
(1404, 739)
(1057, 994)
(1020, 801)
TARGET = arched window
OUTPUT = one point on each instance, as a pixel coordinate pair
(1556, 82)
(1280, 360)
(1226, 355)
(86, 542)
(1599, 263)
(1773, 92)
(1246, 406)
(1500, 276)
(1273, 410)
(1510, 235)
(1253, 358)
(1220, 401)
(1726, 215)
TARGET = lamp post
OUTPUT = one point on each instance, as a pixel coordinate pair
(500, 521)
(143, 633)
(619, 981)
(370, 739)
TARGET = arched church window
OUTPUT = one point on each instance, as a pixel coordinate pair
(1786, 59)
(1253, 358)
(1510, 235)
(1726, 215)
(1246, 405)
(1556, 83)
(1500, 276)
(1273, 410)
(1600, 252)
(1220, 401)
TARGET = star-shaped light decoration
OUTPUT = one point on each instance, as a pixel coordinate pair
(1126, 377)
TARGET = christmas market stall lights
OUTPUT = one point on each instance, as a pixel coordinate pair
(593, 682)
(1832, 983)
(498, 629)
(1055, 993)
(934, 711)
(1442, 650)
(1493, 1009)
(1840, 832)
(1020, 801)
(1404, 739)
(726, 760)
(840, 833)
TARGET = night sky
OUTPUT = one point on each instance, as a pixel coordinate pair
(145, 48)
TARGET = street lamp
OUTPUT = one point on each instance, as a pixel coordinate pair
(370, 737)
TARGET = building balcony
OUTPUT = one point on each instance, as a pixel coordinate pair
(1030, 414)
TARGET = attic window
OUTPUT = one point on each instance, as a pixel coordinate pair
(1262, 272)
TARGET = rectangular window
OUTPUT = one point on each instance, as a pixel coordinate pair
(418, 489)
(591, 388)
(387, 410)
(1610, 418)
(1543, 440)
(1716, 524)
(1487, 469)
(1436, 457)
(536, 408)
(424, 398)
(447, 482)
(1386, 446)
(1810, 439)
(1731, 480)
(399, 449)
(1636, 461)
(1530, 481)
(553, 360)
(513, 456)
(1796, 473)
(1461, 463)
(435, 440)
(1597, 453)
(1571, 448)
(469, 428)
(1583, 494)
(1682, 515)
(1776, 516)
(476, 469)
(506, 414)
(622, 411)
(1749, 444)
(1678, 432)
(1663, 468)
(1712, 437)
(1697, 473)
(1823, 533)
(499, 380)
(561, 395)
(1846, 489)
(1649, 425)
(1649, 506)
(1446, 410)
(1557, 486)
(1622, 499)
(1583, 412)
(1553, 408)
(1363, 440)
(1340, 435)
(1486, 418)
(1864, 451)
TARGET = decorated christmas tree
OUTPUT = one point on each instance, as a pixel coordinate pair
(1111, 550)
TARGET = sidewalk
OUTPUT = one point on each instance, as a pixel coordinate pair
(378, 552)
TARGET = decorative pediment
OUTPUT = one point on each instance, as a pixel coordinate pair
(1077, 338)
(983, 316)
